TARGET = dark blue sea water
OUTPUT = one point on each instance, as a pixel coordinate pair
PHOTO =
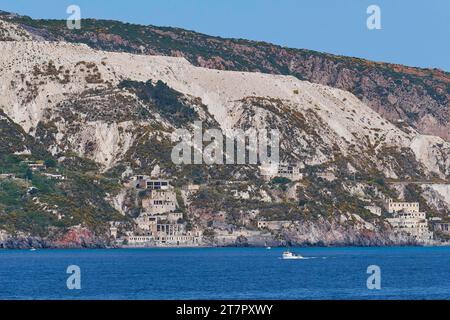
(226, 273)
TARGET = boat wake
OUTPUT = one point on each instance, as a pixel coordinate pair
(302, 258)
(288, 255)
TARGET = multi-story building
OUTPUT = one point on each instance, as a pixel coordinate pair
(146, 223)
(158, 184)
(394, 207)
(176, 235)
(409, 220)
(414, 225)
(140, 240)
(159, 202)
(292, 172)
(174, 217)
(443, 227)
(273, 225)
(152, 231)
(159, 223)
(145, 182)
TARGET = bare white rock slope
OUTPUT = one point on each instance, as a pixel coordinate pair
(347, 122)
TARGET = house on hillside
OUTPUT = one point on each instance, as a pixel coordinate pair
(291, 172)
(408, 219)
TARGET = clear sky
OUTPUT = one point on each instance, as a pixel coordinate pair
(414, 32)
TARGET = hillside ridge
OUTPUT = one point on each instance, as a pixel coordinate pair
(417, 96)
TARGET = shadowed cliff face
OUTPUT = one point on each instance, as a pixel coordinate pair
(417, 96)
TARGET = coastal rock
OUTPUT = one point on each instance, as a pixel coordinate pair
(326, 233)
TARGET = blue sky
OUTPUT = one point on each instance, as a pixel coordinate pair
(414, 32)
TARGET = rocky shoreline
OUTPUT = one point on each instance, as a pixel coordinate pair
(39, 243)
(308, 234)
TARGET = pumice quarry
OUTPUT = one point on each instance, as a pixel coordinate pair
(87, 121)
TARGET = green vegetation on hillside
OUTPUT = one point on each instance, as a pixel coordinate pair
(165, 100)
(34, 203)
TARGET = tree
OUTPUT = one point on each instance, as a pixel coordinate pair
(29, 174)
(50, 163)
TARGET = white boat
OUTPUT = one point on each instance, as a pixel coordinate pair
(32, 249)
(268, 248)
(288, 255)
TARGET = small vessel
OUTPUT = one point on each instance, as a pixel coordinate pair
(288, 255)
(32, 249)
(268, 248)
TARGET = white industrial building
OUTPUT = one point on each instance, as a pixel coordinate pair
(407, 219)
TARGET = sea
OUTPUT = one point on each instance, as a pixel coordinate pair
(397, 273)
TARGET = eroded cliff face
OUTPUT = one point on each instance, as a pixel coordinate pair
(334, 233)
(106, 115)
(76, 237)
(324, 232)
(418, 96)
(72, 98)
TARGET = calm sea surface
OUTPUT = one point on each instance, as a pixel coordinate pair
(226, 273)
